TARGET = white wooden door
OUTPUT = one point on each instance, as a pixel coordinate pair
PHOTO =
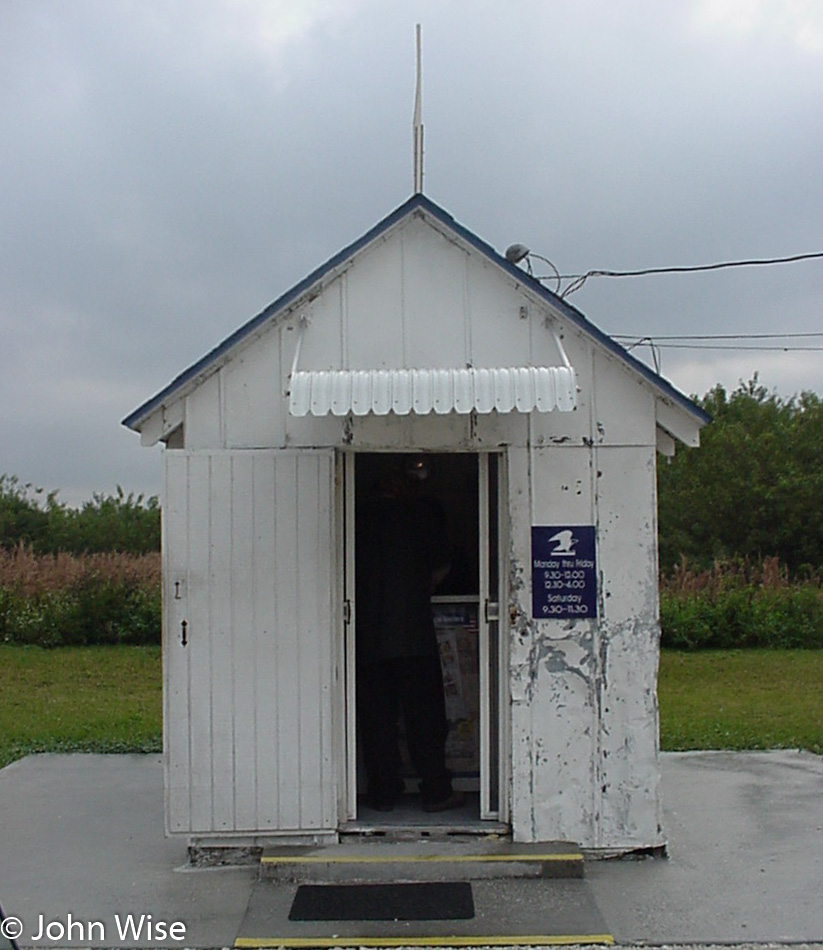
(248, 641)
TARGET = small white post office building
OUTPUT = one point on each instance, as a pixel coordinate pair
(540, 437)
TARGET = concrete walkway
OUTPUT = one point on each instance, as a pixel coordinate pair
(745, 855)
(82, 835)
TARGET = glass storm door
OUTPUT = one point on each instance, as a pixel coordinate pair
(493, 682)
(491, 612)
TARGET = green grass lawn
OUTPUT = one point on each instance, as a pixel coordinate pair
(91, 699)
(108, 699)
(741, 699)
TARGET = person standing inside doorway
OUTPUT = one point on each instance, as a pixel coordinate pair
(402, 554)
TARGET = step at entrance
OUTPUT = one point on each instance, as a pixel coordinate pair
(502, 913)
(421, 860)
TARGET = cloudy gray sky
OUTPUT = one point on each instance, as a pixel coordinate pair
(169, 167)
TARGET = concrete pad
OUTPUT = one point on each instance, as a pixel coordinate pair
(507, 912)
(745, 853)
(82, 835)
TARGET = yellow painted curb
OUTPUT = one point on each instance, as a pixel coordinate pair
(416, 858)
(535, 940)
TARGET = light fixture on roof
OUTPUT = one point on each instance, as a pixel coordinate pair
(515, 253)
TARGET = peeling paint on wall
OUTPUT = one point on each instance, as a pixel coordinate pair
(590, 685)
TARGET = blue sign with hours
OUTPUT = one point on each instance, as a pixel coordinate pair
(564, 572)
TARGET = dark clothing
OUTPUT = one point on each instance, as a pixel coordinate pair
(400, 546)
(413, 686)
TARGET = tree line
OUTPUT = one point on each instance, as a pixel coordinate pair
(128, 524)
(753, 489)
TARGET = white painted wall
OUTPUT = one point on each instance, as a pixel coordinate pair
(584, 702)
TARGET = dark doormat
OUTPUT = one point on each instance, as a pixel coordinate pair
(447, 900)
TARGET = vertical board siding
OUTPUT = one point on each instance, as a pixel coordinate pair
(204, 413)
(630, 808)
(627, 535)
(520, 646)
(309, 656)
(565, 739)
(433, 298)
(552, 663)
(251, 735)
(175, 659)
(499, 334)
(322, 345)
(286, 692)
(564, 665)
(221, 635)
(625, 405)
(253, 403)
(199, 648)
(244, 648)
(266, 648)
(374, 309)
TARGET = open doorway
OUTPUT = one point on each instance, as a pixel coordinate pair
(462, 489)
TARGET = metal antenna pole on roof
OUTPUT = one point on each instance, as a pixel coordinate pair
(418, 123)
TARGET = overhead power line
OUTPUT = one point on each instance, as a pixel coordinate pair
(721, 341)
(717, 336)
(763, 342)
(729, 346)
(577, 280)
(710, 341)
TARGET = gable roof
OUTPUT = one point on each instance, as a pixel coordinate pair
(202, 366)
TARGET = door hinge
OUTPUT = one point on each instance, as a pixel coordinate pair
(492, 611)
(346, 611)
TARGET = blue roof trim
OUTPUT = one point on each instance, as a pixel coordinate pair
(416, 201)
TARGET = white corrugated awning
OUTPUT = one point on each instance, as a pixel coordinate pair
(421, 391)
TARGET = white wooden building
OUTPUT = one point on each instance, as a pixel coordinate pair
(542, 436)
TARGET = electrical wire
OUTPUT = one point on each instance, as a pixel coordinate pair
(717, 341)
(555, 272)
(576, 281)
(707, 341)
(717, 336)
(726, 346)
(655, 348)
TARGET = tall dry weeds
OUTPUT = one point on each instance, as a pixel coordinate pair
(765, 574)
(30, 574)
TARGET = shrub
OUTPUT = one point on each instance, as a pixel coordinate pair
(740, 604)
(56, 600)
